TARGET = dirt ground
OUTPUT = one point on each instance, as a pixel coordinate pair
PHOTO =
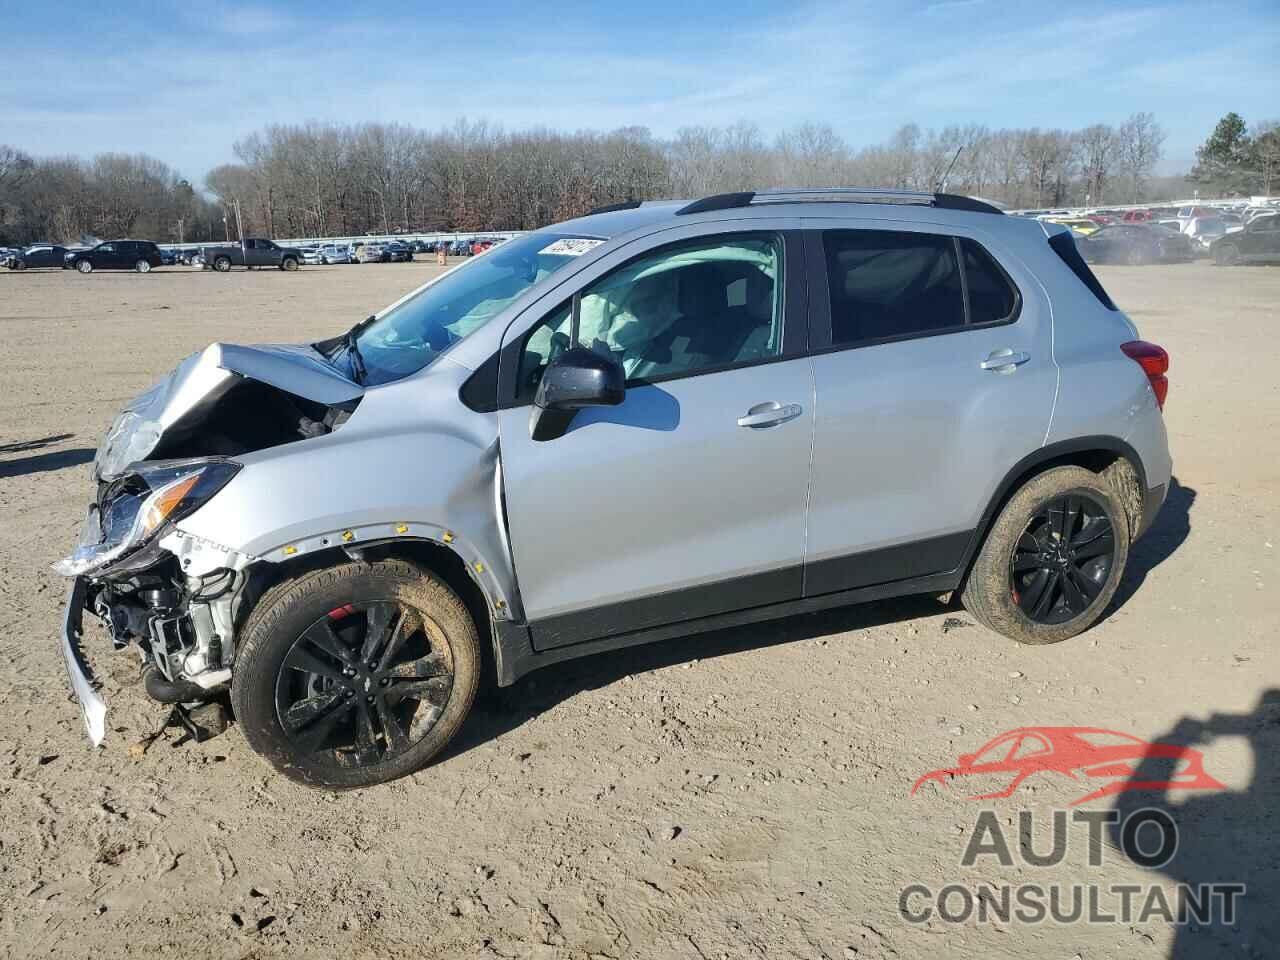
(740, 794)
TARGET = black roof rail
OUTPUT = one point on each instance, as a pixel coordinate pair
(614, 207)
(719, 201)
(953, 201)
(943, 201)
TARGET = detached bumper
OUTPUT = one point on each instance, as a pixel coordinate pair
(92, 706)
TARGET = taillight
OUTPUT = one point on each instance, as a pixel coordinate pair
(1154, 362)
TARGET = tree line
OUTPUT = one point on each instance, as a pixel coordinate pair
(68, 200)
(317, 179)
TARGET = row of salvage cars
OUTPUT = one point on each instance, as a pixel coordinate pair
(1195, 232)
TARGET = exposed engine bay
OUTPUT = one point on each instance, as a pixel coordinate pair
(179, 598)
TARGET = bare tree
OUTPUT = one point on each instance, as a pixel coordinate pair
(1098, 148)
(1139, 144)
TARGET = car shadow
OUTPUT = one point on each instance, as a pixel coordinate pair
(21, 446)
(41, 462)
(1224, 836)
(503, 710)
(1170, 530)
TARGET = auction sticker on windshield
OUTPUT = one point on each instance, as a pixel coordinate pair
(570, 247)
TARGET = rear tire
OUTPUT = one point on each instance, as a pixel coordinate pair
(142, 266)
(20, 265)
(438, 641)
(1066, 578)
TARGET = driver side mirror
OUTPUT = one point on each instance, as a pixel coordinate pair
(576, 379)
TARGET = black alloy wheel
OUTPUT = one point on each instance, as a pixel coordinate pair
(364, 684)
(1062, 560)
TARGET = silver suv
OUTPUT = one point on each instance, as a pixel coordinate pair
(655, 420)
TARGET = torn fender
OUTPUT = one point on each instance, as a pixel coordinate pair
(179, 401)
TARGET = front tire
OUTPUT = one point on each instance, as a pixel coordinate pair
(142, 266)
(84, 266)
(356, 674)
(1053, 558)
(222, 264)
(288, 263)
(1226, 254)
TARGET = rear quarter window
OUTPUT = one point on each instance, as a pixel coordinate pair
(992, 296)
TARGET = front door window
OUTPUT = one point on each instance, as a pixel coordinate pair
(686, 309)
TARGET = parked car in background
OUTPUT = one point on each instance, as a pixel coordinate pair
(139, 255)
(1135, 244)
(368, 251)
(1136, 216)
(423, 246)
(398, 252)
(38, 255)
(460, 247)
(1174, 225)
(311, 255)
(1186, 213)
(169, 257)
(256, 252)
(338, 560)
(335, 253)
(1079, 224)
(1258, 242)
(1202, 231)
(481, 245)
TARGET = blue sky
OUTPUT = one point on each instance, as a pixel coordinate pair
(183, 81)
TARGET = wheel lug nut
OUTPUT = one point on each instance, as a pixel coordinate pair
(384, 682)
(351, 693)
(370, 699)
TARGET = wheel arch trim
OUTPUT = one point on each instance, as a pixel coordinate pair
(1059, 453)
(500, 600)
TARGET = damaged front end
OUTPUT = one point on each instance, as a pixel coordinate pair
(174, 596)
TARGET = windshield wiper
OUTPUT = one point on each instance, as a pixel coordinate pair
(353, 348)
(349, 340)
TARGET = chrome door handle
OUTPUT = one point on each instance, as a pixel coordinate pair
(770, 414)
(1004, 361)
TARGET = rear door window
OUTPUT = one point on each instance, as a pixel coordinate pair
(888, 285)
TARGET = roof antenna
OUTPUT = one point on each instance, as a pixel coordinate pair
(942, 185)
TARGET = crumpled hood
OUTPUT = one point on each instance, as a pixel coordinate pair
(190, 391)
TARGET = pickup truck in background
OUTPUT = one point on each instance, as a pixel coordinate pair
(256, 253)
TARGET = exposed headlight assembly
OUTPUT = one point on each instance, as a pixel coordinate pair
(134, 508)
